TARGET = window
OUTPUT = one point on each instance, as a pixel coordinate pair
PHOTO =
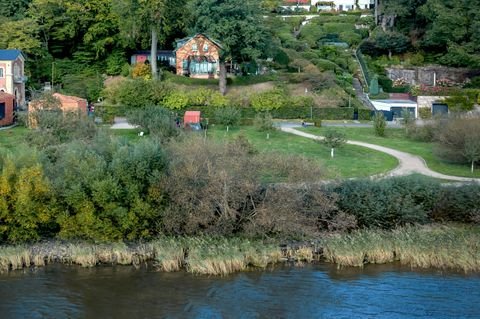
(205, 47)
(1, 72)
(16, 71)
(2, 110)
(194, 47)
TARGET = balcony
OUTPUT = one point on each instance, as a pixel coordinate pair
(20, 79)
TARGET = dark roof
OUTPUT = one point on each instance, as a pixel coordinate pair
(9, 55)
(159, 52)
(181, 42)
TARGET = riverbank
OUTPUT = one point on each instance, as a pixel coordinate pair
(435, 246)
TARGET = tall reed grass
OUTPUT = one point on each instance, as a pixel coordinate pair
(438, 246)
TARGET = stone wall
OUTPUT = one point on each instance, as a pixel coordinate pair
(427, 101)
(426, 75)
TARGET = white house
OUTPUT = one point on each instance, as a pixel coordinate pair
(343, 5)
(396, 106)
(12, 76)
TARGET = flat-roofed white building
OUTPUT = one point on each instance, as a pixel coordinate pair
(343, 5)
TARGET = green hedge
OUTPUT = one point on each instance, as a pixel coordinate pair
(364, 114)
(290, 113)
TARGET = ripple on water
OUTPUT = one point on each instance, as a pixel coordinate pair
(310, 292)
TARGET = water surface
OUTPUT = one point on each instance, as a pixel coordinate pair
(319, 291)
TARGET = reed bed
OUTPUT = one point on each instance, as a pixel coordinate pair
(435, 246)
(222, 256)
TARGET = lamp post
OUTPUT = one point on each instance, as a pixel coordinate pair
(311, 106)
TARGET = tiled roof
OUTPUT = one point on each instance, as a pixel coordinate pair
(9, 55)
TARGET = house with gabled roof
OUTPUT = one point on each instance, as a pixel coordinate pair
(198, 57)
(12, 74)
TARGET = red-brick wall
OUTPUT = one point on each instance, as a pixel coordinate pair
(184, 52)
(8, 100)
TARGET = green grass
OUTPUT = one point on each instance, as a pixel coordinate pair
(349, 161)
(12, 137)
(130, 134)
(396, 139)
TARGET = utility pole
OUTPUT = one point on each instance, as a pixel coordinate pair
(53, 72)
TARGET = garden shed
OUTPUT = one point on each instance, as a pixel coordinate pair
(7, 107)
(191, 117)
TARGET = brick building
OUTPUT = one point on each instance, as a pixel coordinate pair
(7, 108)
(198, 57)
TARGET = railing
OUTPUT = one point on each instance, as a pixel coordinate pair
(20, 79)
(363, 67)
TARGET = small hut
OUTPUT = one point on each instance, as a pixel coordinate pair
(191, 117)
(7, 107)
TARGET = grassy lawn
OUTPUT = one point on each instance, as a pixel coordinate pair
(396, 139)
(349, 161)
(12, 137)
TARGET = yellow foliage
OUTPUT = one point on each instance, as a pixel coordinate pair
(142, 70)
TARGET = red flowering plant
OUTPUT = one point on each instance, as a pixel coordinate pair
(419, 90)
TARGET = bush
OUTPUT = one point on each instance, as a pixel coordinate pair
(388, 203)
(423, 133)
(227, 116)
(459, 141)
(425, 113)
(176, 100)
(142, 70)
(154, 120)
(263, 122)
(267, 101)
(379, 124)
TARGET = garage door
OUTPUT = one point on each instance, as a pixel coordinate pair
(439, 109)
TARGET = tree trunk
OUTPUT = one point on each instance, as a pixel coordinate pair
(222, 81)
(472, 166)
(376, 12)
(332, 152)
(153, 54)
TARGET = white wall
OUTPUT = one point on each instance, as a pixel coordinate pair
(348, 4)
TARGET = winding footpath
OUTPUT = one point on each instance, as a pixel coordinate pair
(408, 163)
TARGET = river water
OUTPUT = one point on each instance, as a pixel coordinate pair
(313, 291)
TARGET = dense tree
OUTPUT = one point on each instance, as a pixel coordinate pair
(13, 8)
(159, 18)
(239, 28)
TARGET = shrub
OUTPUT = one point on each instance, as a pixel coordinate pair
(176, 100)
(154, 120)
(267, 101)
(263, 122)
(136, 93)
(390, 202)
(425, 113)
(379, 124)
(423, 133)
(142, 70)
(227, 116)
(27, 205)
(459, 140)
(334, 139)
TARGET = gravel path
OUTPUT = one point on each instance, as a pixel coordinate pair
(120, 123)
(408, 163)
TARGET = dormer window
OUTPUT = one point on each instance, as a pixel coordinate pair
(205, 47)
(194, 47)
